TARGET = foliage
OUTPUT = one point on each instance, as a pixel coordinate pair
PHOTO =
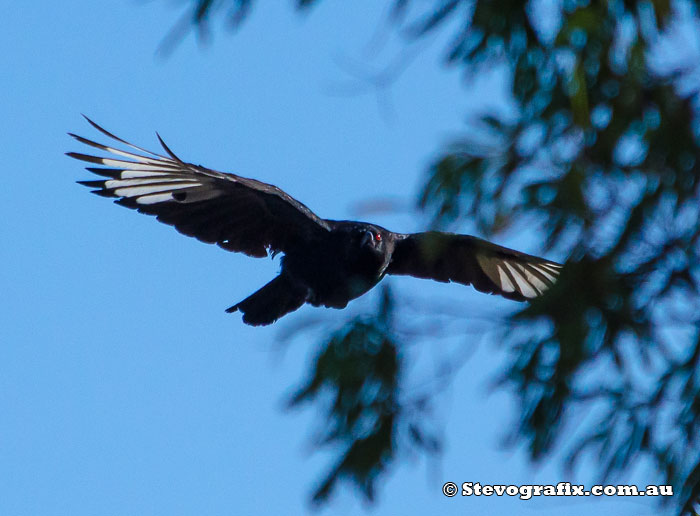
(357, 377)
(602, 153)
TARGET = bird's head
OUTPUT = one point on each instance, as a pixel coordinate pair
(370, 238)
(365, 243)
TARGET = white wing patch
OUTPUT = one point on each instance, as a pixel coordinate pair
(505, 283)
(119, 183)
(153, 199)
(549, 274)
(130, 165)
(144, 179)
(526, 276)
(138, 191)
(531, 275)
(130, 174)
(524, 287)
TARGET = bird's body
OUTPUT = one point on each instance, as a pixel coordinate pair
(326, 262)
(326, 272)
(336, 272)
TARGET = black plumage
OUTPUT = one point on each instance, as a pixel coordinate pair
(325, 262)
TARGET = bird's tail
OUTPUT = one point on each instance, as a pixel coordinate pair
(279, 297)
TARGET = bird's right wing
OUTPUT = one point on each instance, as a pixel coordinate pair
(472, 261)
(237, 213)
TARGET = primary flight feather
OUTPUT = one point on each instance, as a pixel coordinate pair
(325, 262)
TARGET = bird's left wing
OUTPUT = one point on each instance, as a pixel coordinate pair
(472, 261)
(237, 213)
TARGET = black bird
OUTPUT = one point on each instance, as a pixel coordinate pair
(325, 262)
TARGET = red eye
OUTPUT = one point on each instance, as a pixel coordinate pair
(378, 237)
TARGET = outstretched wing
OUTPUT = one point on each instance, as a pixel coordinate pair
(237, 213)
(472, 261)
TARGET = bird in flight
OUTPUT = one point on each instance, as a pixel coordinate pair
(326, 262)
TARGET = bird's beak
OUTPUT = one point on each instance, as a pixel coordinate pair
(367, 238)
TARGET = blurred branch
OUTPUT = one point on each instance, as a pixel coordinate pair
(356, 377)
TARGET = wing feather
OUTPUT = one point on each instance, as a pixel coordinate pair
(234, 212)
(472, 261)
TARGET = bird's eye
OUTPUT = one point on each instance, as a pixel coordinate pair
(378, 237)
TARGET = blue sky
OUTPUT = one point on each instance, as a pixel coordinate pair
(124, 387)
